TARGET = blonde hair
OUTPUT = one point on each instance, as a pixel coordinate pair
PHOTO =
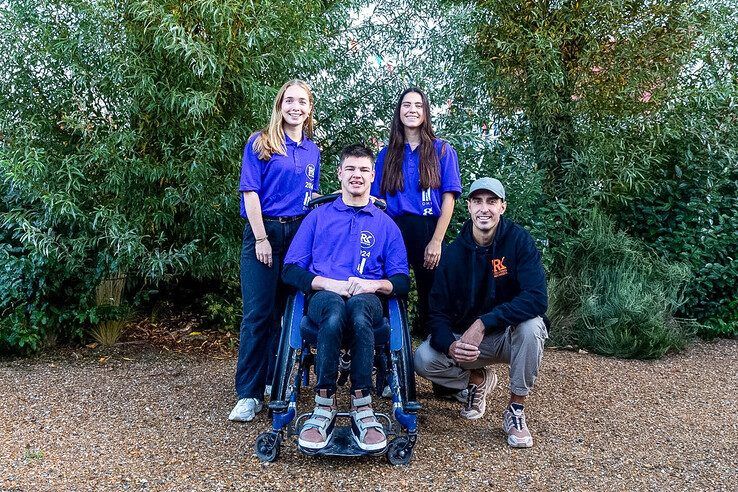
(271, 138)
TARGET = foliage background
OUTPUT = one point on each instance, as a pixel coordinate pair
(122, 124)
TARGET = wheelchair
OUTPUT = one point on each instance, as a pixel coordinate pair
(394, 368)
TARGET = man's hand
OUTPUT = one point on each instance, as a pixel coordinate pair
(340, 287)
(463, 352)
(358, 285)
(474, 334)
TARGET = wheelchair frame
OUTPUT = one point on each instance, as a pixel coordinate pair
(292, 371)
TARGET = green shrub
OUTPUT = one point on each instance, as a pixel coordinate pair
(121, 131)
(724, 323)
(611, 296)
(222, 312)
(690, 213)
(40, 302)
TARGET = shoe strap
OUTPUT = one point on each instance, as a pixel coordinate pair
(322, 412)
(362, 426)
(364, 414)
(326, 402)
(362, 401)
(320, 425)
(321, 420)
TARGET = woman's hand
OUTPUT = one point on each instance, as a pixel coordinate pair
(432, 254)
(264, 252)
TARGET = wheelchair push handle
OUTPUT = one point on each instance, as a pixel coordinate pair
(380, 204)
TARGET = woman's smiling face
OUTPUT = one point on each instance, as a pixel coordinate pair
(411, 110)
(295, 106)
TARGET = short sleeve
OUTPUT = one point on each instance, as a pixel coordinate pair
(450, 175)
(251, 167)
(316, 179)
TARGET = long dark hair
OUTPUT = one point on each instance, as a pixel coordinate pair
(430, 176)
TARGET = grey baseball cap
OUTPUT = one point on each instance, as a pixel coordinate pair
(489, 184)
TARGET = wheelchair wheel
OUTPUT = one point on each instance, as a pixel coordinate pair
(400, 451)
(403, 361)
(267, 446)
(286, 354)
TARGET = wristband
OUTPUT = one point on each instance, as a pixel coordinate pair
(261, 239)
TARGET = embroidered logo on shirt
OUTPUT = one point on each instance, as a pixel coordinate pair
(498, 267)
(426, 196)
(367, 239)
(310, 171)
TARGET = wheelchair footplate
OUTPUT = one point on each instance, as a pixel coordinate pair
(342, 441)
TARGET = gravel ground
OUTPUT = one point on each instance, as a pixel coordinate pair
(141, 419)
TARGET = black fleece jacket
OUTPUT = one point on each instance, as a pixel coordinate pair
(503, 284)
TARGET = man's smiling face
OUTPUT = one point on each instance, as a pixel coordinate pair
(356, 175)
(485, 209)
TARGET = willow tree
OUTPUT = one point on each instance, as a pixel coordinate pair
(613, 100)
(122, 124)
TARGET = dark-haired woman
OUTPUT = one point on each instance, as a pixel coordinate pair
(418, 176)
(280, 172)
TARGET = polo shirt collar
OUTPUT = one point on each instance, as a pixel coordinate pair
(289, 141)
(370, 208)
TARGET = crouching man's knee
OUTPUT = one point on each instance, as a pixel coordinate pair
(530, 332)
(428, 361)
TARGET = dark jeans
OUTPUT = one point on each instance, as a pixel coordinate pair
(264, 297)
(344, 321)
(417, 231)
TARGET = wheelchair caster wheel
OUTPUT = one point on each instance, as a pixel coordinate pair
(267, 446)
(400, 451)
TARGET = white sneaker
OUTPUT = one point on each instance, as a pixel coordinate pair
(245, 410)
(476, 401)
(513, 423)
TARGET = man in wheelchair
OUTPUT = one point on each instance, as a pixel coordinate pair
(345, 255)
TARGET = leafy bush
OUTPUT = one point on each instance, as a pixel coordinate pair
(39, 301)
(121, 130)
(724, 323)
(690, 214)
(630, 109)
(610, 295)
(223, 306)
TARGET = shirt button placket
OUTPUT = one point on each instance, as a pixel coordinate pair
(355, 238)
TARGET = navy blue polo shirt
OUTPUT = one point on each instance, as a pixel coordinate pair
(285, 183)
(337, 242)
(412, 199)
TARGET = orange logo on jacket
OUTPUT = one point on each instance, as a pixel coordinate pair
(498, 267)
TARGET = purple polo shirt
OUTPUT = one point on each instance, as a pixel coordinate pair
(284, 183)
(335, 241)
(412, 200)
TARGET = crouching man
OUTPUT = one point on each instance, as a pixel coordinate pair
(486, 306)
(345, 256)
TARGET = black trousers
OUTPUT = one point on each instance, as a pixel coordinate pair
(417, 231)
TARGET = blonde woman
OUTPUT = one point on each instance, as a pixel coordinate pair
(280, 173)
